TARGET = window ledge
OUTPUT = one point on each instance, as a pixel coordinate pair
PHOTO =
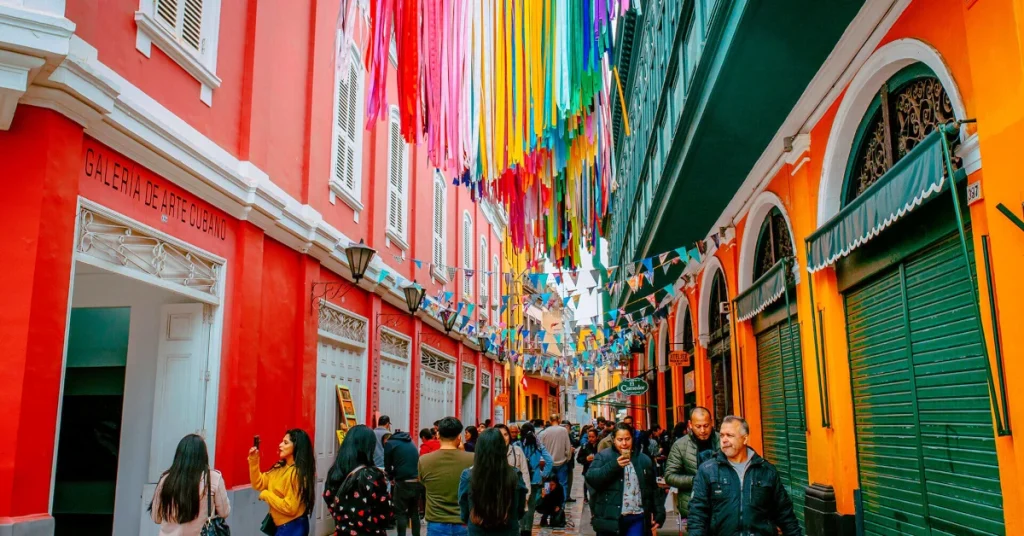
(438, 273)
(150, 31)
(346, 195)
(397, 239)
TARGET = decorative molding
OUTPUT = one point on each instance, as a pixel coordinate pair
(342, 326)
(485, 380)
(346, 195)
(394, 345)
(468, 373)
(132, 248)
(436, 361)
(970, 152)
(759, 209)
(796, 151)
(15, 70)
(711, 265)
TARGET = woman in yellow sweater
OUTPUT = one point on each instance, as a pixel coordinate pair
(289, 486)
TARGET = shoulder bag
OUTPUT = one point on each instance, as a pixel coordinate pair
(214, 526)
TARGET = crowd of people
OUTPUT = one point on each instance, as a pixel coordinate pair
(493, 480)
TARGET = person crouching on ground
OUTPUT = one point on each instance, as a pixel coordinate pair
(552, 497)
(625, 498)
(492, 496)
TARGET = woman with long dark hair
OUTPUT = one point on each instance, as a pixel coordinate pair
(469, 441)
(180, 503)
(492, 496)
(540, 463)
(289, 487)
(356, 491)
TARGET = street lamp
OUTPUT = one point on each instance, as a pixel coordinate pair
(413, 296)
(359, 257)
(448, 318)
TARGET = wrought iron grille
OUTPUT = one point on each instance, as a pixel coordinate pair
(341, 323)
(773, 243)
(435, 362)
(394, 346)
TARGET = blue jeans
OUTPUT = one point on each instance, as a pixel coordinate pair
(562, 473)
(445, 529)
(295, 527)
(632, 525)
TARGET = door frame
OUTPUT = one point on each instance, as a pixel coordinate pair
(213, 363)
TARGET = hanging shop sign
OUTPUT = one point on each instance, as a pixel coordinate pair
(679, 358)
(633, 387)
(501, 399)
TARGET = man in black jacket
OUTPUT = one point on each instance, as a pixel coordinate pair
(739, 492)
(625, 498)
(401, 459)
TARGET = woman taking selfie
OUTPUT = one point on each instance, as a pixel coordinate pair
(185, 491)
(469, 440)
(356, 491)
(492, 496)
(625, 498)
(289, 486)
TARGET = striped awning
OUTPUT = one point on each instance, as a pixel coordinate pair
(911, 181)
(763, 292)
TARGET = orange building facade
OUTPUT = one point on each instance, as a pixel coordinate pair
(873, 370)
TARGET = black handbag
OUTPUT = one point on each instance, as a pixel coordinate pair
(214, 526)
(268, 526)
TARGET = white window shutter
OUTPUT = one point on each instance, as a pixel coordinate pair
(467, 252)
(192, 24)
(495, 279)
(346, 119)
(439, 191)
(483, 268)
(396, 177)
(167, 12)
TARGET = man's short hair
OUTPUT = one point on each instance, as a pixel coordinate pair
(383, 420)
(426, 434)
(742, 422)
(698, 411)
(449, 428)
(600, 420)
(554, 417)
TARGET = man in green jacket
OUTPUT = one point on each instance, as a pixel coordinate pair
(688, 453)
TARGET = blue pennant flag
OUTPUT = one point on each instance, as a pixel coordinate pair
(649, 264)
(419, 264)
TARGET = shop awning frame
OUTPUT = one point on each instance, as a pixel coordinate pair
(915, 178)
(765, 291)
(615, 389)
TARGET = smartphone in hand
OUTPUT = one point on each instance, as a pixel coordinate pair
(256, 442)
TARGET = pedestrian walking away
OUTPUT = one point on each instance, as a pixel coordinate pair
(440, 473)
(288, 487)
(626, 499)
(383, 431)
(185, 492)
(356, 491)
(492, 496)
(540, 467)
(401, 460)
(516, 457)
(428, 441)
(687, 454)
(739, 492)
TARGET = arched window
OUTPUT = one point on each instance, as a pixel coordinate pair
(773, 243)
(909, 106)
(718, 325)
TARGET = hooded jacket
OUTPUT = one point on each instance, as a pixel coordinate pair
(722, 506)
(401, 457)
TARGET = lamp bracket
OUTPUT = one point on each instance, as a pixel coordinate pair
(327, 290)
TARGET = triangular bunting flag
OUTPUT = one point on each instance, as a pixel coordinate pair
(383, 275)
(576, 300)
(650, 277)
(670, 290)
(451, 273)
(662, 257)
(419, 264)
(648, 264)
(682, 254)
(714, 238)
(694, 254)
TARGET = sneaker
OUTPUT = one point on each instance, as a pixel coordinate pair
(570, 500)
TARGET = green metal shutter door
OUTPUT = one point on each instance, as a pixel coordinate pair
(781, 385)
(795, 420)
(884, 410)
(961, 470)
(925, 441)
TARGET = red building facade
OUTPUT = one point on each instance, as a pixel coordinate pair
(181, 179)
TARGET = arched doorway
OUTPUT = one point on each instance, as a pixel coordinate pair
(719, 348)
(779, 362)
(684, 341)
(923, 424)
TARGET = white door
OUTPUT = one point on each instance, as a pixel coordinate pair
(468, 395)
(336, 365)
(394, 393)
(180, 391)
(437, 397)
(499, 411)
(485, 396)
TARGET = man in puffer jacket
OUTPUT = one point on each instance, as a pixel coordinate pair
(685, 456)
(739, 492)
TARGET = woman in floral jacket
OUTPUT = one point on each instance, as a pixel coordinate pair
(356, 491)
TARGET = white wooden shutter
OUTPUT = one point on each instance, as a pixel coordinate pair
(483, 268)
(396, 176)
(346, 109)
(467, 252)
(185, 20)
(495, 280)
(439, 194)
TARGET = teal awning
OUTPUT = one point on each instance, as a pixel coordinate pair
(915, 178)
(763, 292)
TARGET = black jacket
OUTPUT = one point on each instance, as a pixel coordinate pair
(401, 457)
(586, 450)
(720, 508)
(607, 479)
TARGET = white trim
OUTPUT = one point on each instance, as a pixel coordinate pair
(970, 152)
(882, 65)
(462, 376)
(678, 331)
(712, 265)
(763, 205)
(398, 335)
(468, 252)
(16, 73)
(436, 239)
(400, 233)
(351, 196)
(202, 64)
